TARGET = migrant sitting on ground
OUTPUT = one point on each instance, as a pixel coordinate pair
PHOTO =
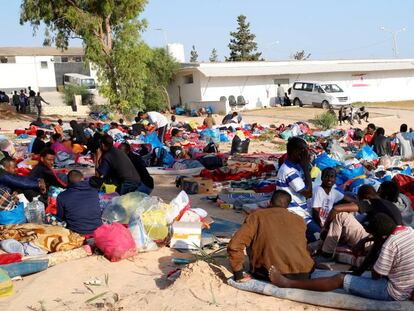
(273, 236)
(381, 144)
(233, 117)
(38, 143)
(147, 182)
(115, 167)
(209, 121)
(44, 170)
(176, 137)
(78, 206)
(405, 143)
(294, 177)
(20, 184)
(392, 277)
(362, 114)
(77, 133)
(326, 196)
(369, 135)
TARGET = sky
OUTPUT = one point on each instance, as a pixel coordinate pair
(328, 29)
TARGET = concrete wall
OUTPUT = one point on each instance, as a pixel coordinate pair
(189, 92)
(26, 72)
(261, 91)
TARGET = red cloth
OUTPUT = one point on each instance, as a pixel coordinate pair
(219, 175)
(10, 258)
(406, 184)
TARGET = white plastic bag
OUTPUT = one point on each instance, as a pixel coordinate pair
(180, 203)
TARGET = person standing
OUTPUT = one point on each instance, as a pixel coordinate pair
(22, 101)
(31, 100)
(156, 118)
(280, 95)
(38, 103)
(15, 101)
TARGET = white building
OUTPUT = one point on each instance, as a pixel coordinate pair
(41, 68)
(204, 84)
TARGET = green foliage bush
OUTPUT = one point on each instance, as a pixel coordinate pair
(71, 90)
(325, 121)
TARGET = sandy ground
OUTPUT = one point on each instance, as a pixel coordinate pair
(141, 283)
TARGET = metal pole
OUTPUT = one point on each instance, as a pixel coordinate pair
(394, 39)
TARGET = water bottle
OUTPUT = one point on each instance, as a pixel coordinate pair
(35, 211)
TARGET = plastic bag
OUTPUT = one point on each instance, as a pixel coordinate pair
(14, 216)
(337, 152)
(6, 284)
(143, 242)
(210, 135)
(115, 241)
(153, 140)
(239, 146)
(35, 211)
(155, 222)
(122, 207)
(286, 134)
(324, 161)
(367, 153)
(179, 205)
(349, 173)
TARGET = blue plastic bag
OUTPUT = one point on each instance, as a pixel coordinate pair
(179, 111)
(14, 217)
(346, 174)
(211, 135)
(367, 153)
(153, 140)
(224, 138)
(324, 161)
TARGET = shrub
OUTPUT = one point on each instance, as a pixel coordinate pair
(71, 90)
(325, 121)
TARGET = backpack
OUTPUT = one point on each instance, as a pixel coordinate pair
(161, 157)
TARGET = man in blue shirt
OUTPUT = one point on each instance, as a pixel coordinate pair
(294, 177)
(78, 205)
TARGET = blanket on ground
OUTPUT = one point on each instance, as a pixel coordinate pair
(49, 238)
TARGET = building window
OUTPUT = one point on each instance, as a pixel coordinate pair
(43, 65)
(188, 79)
(65, 59)
(78, 59)
(7, 59)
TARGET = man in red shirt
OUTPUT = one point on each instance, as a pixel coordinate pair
(369, 135)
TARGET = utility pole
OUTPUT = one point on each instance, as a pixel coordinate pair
(394, 34)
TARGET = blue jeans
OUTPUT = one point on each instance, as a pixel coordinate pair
(312, 228)
(127, 187)
(365, 286)
(145, 189)
(281, 100)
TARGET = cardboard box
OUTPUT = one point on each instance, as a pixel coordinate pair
(186, 235)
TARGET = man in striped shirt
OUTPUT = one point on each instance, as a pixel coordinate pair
(294, 177)
(393, 273)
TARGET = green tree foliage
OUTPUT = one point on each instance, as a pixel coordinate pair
(110, 30)
(243, 46)
(193, 55)
(47, 42)
(160, 71)
(301, 55)
(71, 90)
(213, 56)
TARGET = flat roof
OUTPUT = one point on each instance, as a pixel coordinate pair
(39, 51)
(237, 69)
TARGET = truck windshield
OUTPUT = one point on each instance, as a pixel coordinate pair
(331, 88)
(89, 83)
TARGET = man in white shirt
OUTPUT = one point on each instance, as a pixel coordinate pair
(157, 119)
(405, 143)
(281, 95)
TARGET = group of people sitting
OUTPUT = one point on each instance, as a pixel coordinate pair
(401, 143)
(351, 114)
(278, 239)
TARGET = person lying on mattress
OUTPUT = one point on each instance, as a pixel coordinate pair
(272, 236)
(392, 277)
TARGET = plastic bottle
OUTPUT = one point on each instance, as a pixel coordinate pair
(35, 211)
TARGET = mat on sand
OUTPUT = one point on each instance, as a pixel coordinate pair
(325, 299)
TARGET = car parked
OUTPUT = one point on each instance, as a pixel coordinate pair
(324, 95)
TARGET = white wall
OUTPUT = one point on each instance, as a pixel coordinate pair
(26, 72)
(261, 91)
